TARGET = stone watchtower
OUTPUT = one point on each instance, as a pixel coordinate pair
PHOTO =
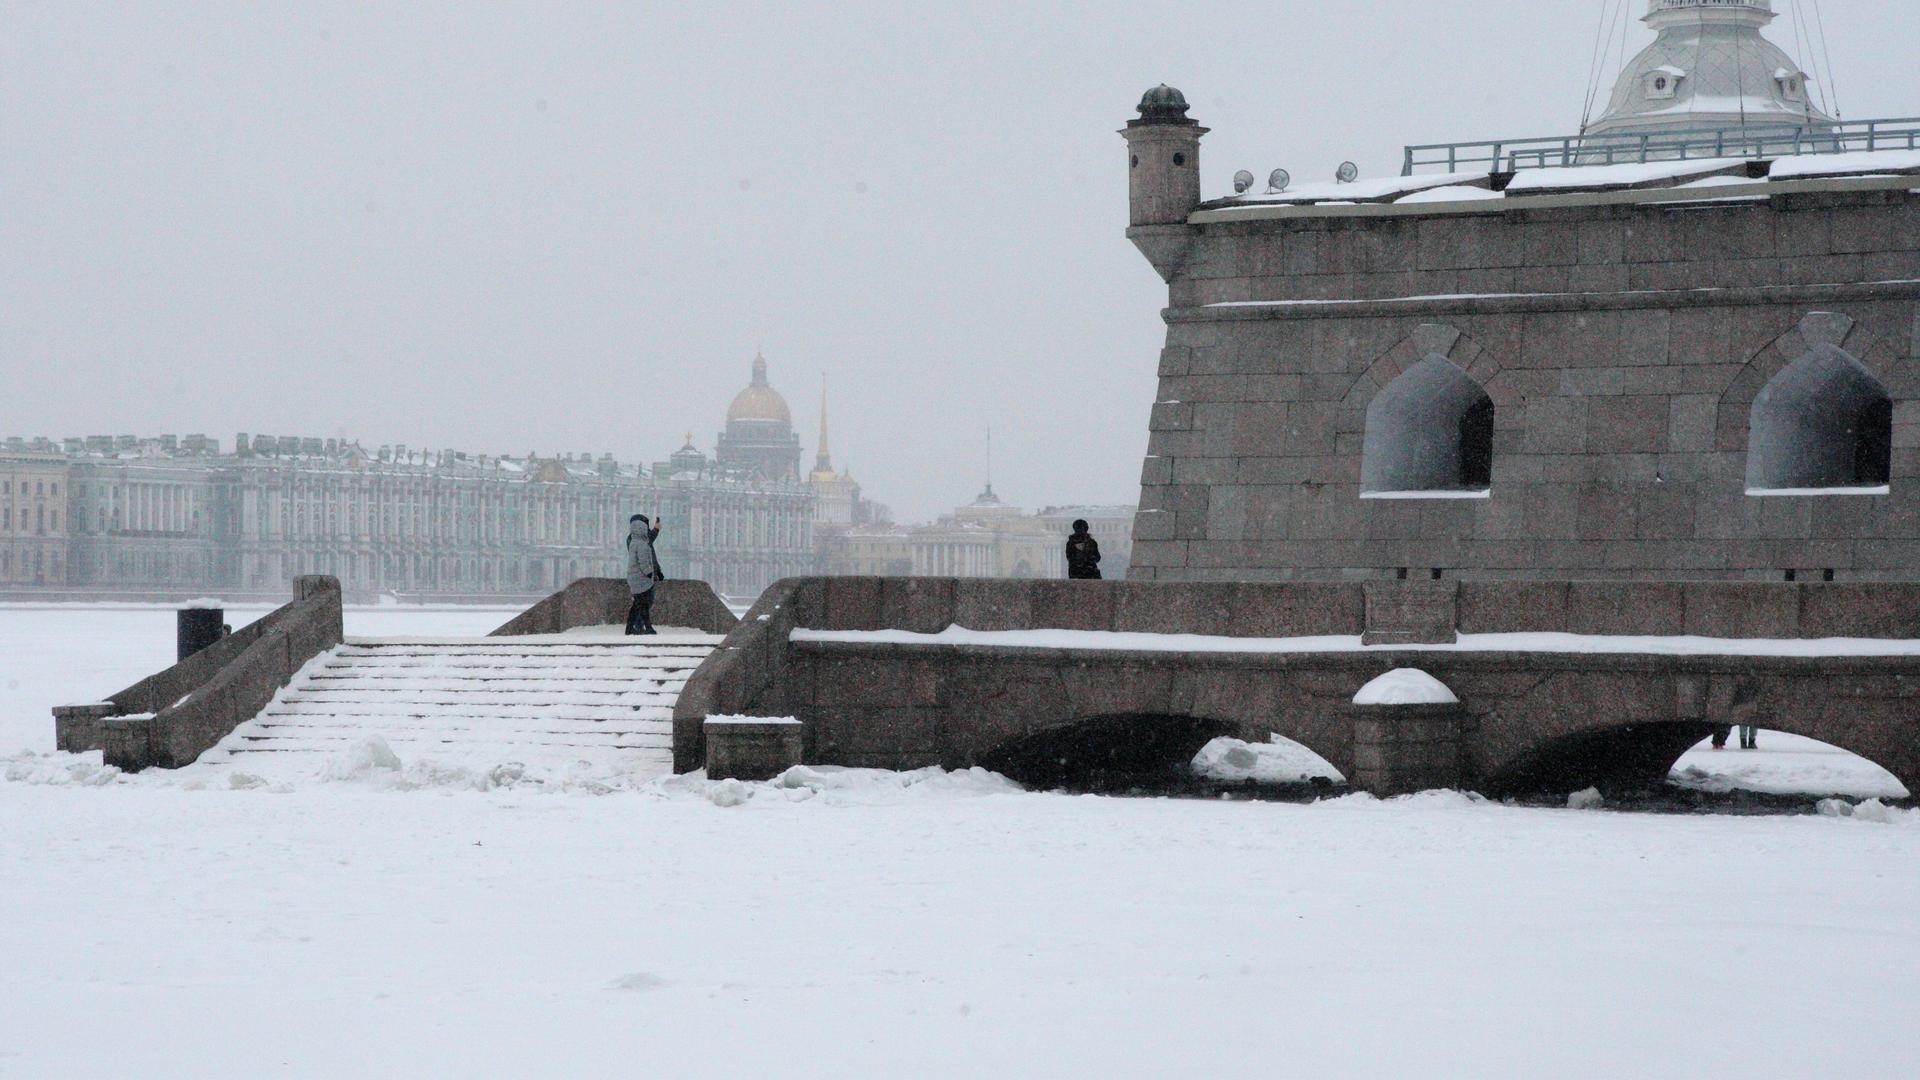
(1163, 171)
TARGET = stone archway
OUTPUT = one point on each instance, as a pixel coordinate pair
(1823, 422)
(1430, 430)
(1105, 751)
(1119, 750)
(1639, 756)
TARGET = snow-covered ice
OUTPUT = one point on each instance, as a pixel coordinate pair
(1783, 765)
(1281, 761)
(943, 928)
(387, 917)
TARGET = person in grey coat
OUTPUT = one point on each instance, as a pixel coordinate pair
(643, 573)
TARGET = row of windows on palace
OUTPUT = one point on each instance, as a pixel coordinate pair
(1824, 424)
(316, 513)
(189, 523)
(25, 520)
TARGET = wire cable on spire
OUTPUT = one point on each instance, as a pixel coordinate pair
(1826, 59)
(1740, 76)
(1602, 46)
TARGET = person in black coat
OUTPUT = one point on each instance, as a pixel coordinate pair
(1083, 554)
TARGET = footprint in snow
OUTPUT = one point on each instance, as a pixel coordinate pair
(638, 980)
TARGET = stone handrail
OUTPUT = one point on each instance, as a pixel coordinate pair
(171, 718)
(604, 601)
(743, 676)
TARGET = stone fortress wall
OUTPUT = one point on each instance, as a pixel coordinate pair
(1622, 344)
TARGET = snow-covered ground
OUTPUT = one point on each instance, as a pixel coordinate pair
(942, 928)
(380, 921)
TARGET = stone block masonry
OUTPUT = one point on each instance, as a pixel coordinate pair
(1623, 347)
(750, 748)
(1532, 720)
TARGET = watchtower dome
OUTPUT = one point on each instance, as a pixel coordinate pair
(1709, 69)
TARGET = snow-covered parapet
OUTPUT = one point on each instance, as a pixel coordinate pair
(205, 603)
(1405, 686)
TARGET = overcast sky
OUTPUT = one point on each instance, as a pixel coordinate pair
(566, 227)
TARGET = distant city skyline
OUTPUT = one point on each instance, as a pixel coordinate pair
(515, 226)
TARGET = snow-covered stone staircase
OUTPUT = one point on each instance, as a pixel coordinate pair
(540, 700)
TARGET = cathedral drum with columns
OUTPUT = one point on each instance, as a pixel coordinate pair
(1679, 345)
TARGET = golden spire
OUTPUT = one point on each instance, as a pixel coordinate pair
(823, 462)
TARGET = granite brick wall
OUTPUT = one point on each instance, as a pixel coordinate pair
(906, 705)
(1623, 347)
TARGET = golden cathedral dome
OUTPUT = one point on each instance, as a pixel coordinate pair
(760, 401)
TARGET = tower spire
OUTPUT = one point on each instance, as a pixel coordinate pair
(823, 462)
(989, 460)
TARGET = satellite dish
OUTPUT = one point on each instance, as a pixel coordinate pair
(1347, 173)
(1242, 180)
(1278, 180)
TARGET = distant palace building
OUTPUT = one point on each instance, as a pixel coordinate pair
(985, 538)
(167, 515)
(126, 514)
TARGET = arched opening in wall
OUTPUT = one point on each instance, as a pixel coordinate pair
(1154, 753)
(1781, 763)
(1645, 760)
(1823, 425)
(1429, 435)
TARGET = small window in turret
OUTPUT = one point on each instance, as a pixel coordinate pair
(1179, 159)
(1664, 83)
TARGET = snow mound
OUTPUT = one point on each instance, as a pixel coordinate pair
(362, 760)
(1277, 762)
(1437, 799)
(1590, 799)
(60, 769)
(837, 786)
(1872, 810)
(1405, 686)
(729, 792)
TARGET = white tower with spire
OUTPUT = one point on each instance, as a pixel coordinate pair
(1709, 68)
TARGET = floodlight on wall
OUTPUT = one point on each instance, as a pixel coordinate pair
(1242, 180)
(1347, 173)
(1278, 180)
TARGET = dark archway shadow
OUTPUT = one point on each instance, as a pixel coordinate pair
(1629, 758)
(1107, 753)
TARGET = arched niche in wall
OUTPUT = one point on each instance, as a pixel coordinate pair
(1823, 424)
(1429, 434)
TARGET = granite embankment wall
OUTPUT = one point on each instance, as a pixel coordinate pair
(1529, 717)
